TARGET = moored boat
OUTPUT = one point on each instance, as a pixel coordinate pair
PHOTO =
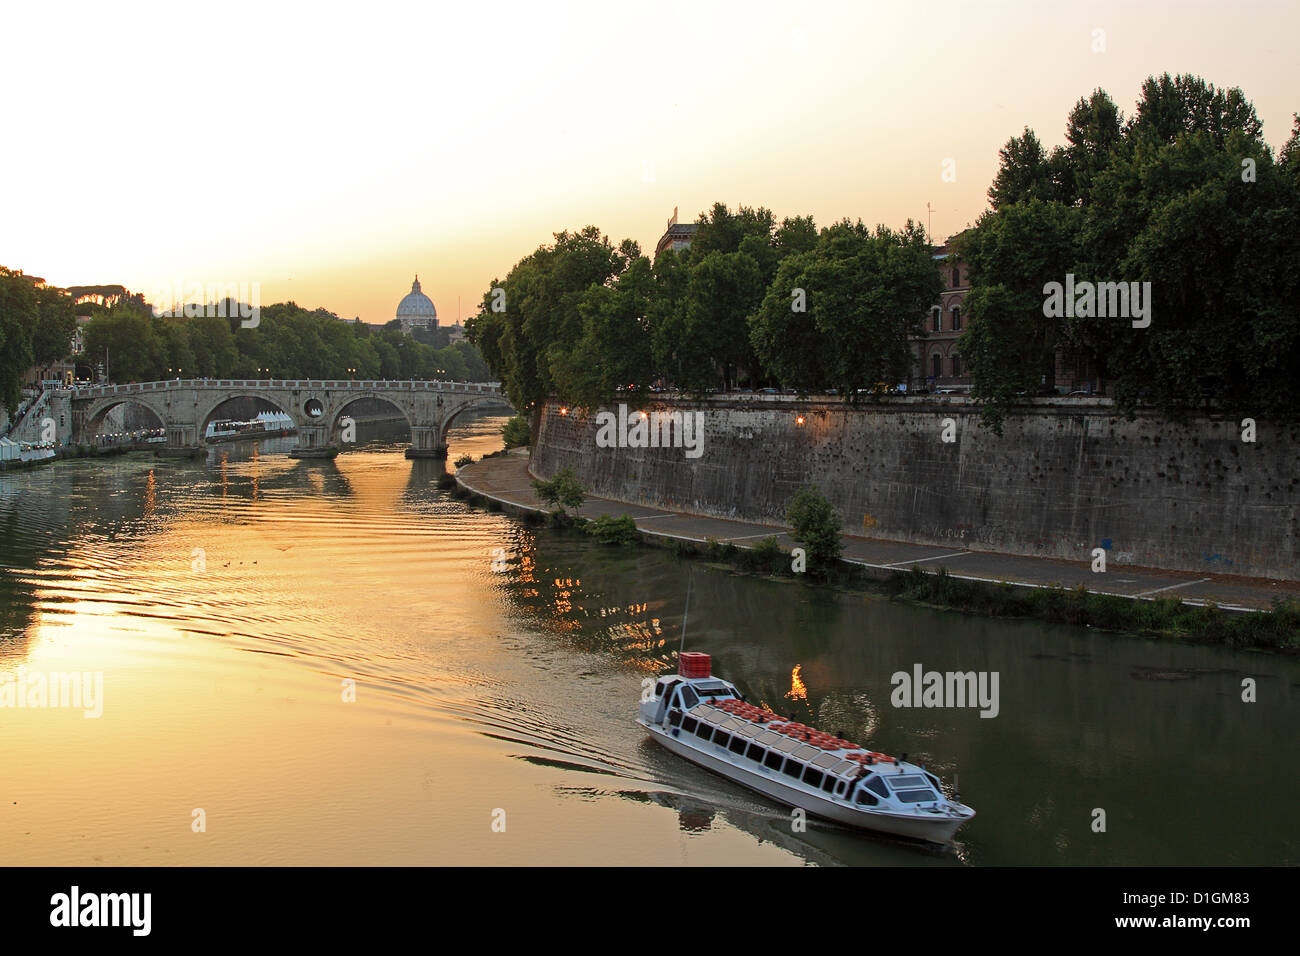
(706, 720)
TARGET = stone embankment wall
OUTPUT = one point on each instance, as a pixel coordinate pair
(1064, 478)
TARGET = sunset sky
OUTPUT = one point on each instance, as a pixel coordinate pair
(331, 151)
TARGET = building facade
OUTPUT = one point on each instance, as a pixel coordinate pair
(938, 361)
(677, 236)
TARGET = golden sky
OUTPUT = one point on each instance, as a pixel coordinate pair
(330, 151)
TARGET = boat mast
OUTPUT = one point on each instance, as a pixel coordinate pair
(686, 612)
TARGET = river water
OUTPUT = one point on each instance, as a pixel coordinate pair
(309, 662)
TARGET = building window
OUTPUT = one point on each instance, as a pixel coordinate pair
(937, 311)
(956, 277)
(956, 366)
(936, 365)
(956, 318)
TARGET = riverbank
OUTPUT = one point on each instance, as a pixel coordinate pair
(1214, 608)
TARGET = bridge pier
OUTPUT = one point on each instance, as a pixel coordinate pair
(182, 441)
(314, 442)
(426, 442)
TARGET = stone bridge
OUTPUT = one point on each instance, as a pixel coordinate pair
(318, 408)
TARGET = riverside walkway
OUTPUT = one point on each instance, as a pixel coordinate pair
(506, 479)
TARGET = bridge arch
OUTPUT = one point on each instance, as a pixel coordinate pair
(336, 427)
(207, 412)
(92, 419)
(466, 405)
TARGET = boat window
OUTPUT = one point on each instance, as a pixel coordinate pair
(713, 690)
(876, 786)
(659, 689)
(704, 732)
(793, 768)
(865, 799)
(905, 781)
(738, 745)
(840, 788)
(675, 717)
(786, 745)
(769, 737)
(826, 760)
(934, 781)
(916, 796)
(813, 777)
(689, 724)
(828, 784)
(750, 731)
(773, 760)
(722, 739)
(756, 753)
(689, 698)
(805, 752)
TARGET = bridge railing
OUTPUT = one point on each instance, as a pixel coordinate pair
(135, 388)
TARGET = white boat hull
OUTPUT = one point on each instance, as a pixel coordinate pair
(934, 827)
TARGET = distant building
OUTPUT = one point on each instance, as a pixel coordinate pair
(677, 236)
(455, 333)
(938, 361)
(416, 311)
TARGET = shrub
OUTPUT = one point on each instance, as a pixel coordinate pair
(610, 530)
(464, 460)
(816, 526)
(562, 491)
(516, 432)
(767, 556)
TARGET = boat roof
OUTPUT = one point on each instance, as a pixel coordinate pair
(826, 752)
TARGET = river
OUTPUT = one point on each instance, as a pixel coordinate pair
(314, 662)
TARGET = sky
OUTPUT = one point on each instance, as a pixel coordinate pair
(328, 152)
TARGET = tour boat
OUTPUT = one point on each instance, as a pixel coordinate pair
(706, 720)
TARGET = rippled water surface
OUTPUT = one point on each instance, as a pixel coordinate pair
(234, 606)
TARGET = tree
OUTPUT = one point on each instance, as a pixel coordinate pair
(516, 432)
(1010, 344)
(1170, 106)
(1184, 200)
(614, 351)
(815, 524)
(1094, 130)
(865, 294)
(1027, 171)
(527, 330)
(17, 318)
(127, 335)
(562, 491)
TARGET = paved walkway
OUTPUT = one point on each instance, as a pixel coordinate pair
(506, 479)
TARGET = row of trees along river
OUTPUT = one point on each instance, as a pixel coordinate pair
(36, 324)
(1184, 194)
